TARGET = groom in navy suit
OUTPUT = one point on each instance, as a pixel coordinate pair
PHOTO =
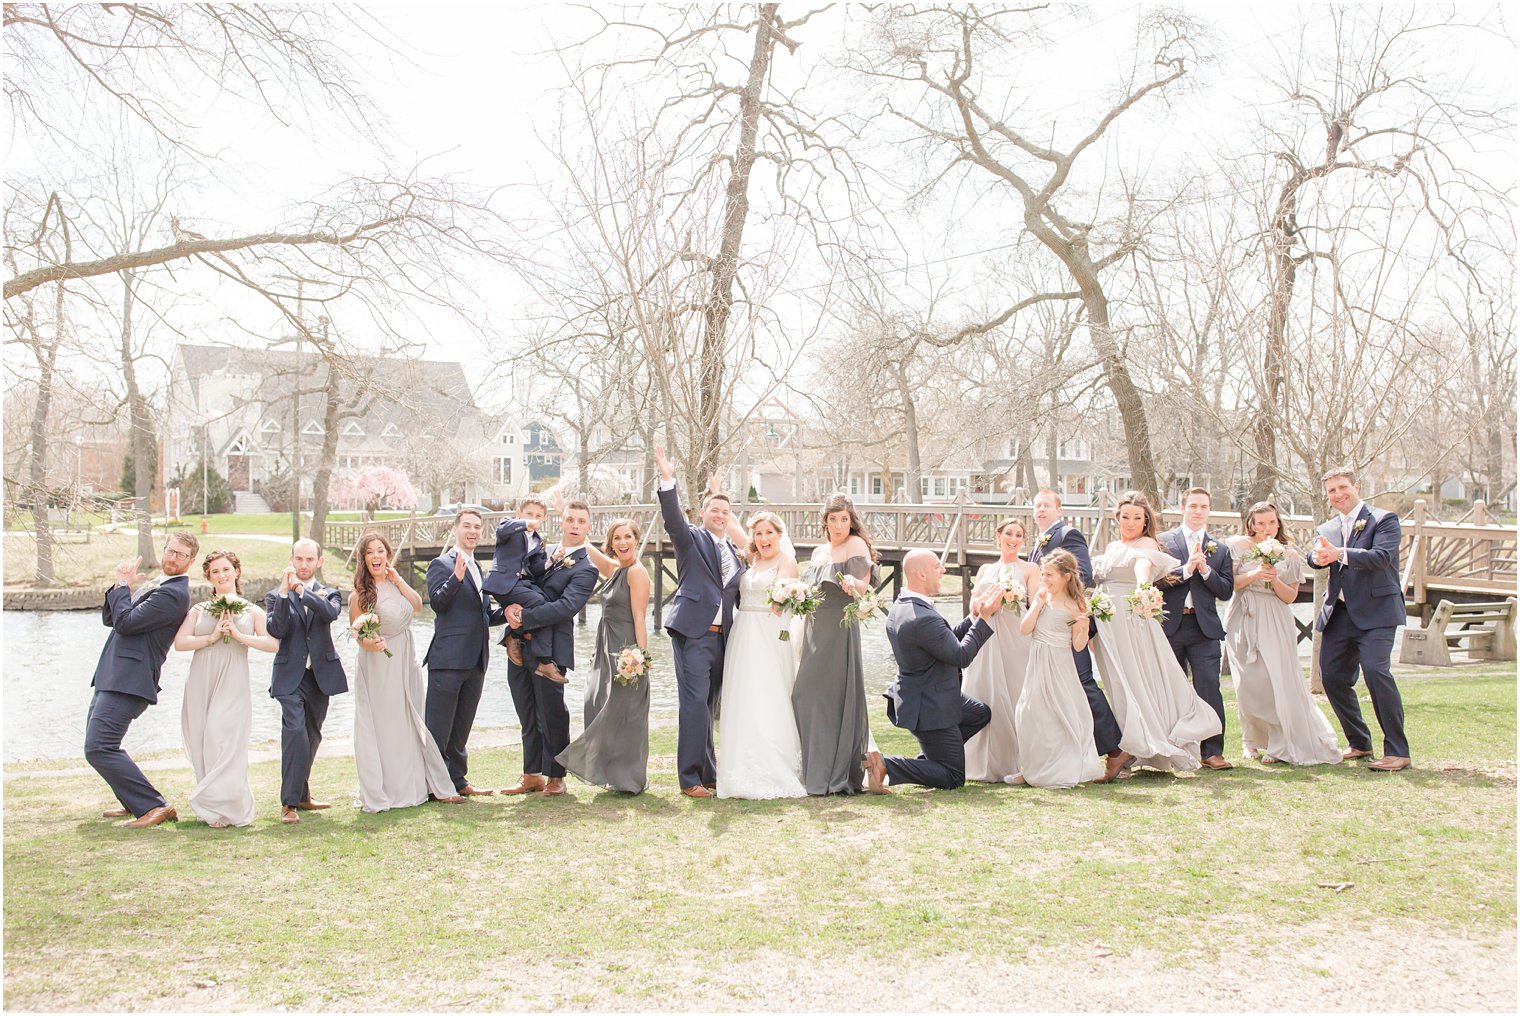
(460, 651)
(1054, 534)
(707, 587)
(926, 698)
(1192, 594)
(307, 671)
(1363, 608)
(143, 627)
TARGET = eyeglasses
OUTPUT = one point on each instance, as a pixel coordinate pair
(186, 555)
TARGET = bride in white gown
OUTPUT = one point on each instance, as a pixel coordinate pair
(759, 750)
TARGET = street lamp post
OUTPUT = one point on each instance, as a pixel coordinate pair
(205, 458)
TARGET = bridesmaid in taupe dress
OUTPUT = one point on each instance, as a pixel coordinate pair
(1279, 721)
(217, 715)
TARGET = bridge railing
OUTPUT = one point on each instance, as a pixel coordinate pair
(1436, 556)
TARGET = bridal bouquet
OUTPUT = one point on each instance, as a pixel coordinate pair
(861, 609)
(1146, 602)
(793, 596)
(367, 626)
(631, 664)
(1012, 592)
(1100, 605)
(225, 606)
(1268, 552)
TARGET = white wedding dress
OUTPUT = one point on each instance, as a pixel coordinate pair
(759, 750)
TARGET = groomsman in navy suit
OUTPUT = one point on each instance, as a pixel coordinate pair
(1054, 534)
(1192, 594)
(307, 671)
(926, 698)
(707, 588)
(1363, 608)
(126, 678)
(540, 702)
(460, 651)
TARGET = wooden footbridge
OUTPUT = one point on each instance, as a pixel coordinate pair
(1458, 561)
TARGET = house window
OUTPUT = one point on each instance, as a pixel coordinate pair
(923, 486)
(939, 486)
(1013, 448)
(269, 427)
(876, 486)
(1073, 448)
(352, 429)
(313, 427)
(503, 470)
(508, 438)
(240, 446)
(391, 430)
(854, 486)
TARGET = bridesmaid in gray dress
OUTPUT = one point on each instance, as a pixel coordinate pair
(1279, 721)
(613, 750)
(216, 717)
(829, 698)
(397, 760)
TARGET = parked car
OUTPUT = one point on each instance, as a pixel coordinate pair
(454, 509)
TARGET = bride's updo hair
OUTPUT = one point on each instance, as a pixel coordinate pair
(612, 528)
(775, 521)
(1139, 500)
(840, 502)
(1064, 562)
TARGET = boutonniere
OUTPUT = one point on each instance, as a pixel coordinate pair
(568, 561)
(1044, 539)
(1210, 547)
(1359, 526)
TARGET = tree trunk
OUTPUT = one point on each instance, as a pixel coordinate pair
(144, 457)
(910, 436)
(42, 524)
(1268, 412)
(735, 211)
(327, 458)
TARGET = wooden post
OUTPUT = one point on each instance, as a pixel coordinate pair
(1100, 531)
(1321, 583)
(1480, 513)
(1419, 565)
(965, 567)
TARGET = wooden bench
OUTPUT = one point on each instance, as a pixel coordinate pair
(1488, 629)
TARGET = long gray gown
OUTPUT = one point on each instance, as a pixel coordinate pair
(613, 750)
(829, 698)
(216, 719)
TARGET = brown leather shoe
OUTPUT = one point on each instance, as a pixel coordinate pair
(876, 773)
(115, 813)
(1115, 764)
(531, 783)
(1390, 764)
(555, 787)
(1217, 762)
(470, 790)
(310, 805)
(514, 649)
(1352, 754)
(711, 786)
(696, 792)
(155, 817)
(550, 672)
(289, 816)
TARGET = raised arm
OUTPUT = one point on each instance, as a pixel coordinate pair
(605, 565)
(329, 605)
(941, 643)
(1384, 552)
(156, 610)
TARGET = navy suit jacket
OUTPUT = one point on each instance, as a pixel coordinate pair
(700, 590)
(1370, 576)
(303, 624)
(1067, 538)
(930, 657)
(566, 588)
(462, 619)
(512, 558)
(142, 634)
(1207, 592)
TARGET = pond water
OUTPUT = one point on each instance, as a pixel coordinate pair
(49, 657)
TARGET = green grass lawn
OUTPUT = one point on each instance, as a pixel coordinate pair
(603, 900)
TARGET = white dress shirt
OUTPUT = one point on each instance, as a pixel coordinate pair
(1194, 539)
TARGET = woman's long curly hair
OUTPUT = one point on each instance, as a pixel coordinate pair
(364, 582)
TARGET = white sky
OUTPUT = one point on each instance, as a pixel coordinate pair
(478, 91)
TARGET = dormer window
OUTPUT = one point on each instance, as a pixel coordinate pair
(314, 427)
(352, 429)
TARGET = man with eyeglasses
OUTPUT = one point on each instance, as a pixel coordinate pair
(143, 624)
